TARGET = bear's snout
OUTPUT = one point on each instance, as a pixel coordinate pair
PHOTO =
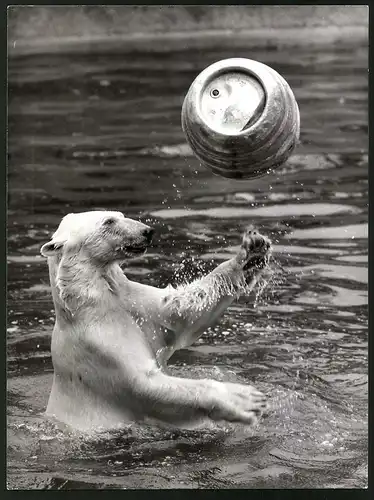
(148, 233)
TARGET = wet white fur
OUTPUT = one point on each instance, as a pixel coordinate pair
(113, 336)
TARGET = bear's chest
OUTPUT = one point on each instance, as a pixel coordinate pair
(161, 339)
(143, 305)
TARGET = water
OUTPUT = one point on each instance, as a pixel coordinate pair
(101, 128)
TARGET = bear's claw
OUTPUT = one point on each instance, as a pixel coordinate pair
(256, 248)
(237, 403)
(255, 242)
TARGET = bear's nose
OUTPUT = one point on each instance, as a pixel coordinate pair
(148, 233)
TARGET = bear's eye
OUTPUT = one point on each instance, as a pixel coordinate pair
(110, 221)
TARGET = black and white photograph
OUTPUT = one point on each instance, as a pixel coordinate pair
(187, 247)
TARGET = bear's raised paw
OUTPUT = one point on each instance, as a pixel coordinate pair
(255, 250)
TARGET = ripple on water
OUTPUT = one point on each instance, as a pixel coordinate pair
(349, 273)
(327, 233)
(354, 258)
(341, 297)
(295, 249)
(318, 209)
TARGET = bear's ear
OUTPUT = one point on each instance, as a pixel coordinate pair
(51, 248)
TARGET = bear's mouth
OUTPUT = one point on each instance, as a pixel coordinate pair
(136, 249)
(133, 249)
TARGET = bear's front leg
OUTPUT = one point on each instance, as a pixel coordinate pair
(189, 310)
(183, 401)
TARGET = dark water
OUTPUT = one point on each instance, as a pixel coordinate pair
(91, 129)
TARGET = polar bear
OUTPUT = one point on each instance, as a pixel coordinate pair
(110, 331)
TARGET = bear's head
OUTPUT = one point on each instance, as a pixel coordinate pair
(99, 236)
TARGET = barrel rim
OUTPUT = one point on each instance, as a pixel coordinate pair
(260, 71)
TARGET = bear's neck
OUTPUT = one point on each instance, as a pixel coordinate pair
(77, 282)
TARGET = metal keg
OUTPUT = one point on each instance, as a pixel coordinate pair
(241, 118)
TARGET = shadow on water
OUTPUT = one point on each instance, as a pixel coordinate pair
(90, 130)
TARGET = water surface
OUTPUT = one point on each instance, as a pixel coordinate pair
(102, 129)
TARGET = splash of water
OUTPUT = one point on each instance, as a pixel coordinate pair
(269, 281)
